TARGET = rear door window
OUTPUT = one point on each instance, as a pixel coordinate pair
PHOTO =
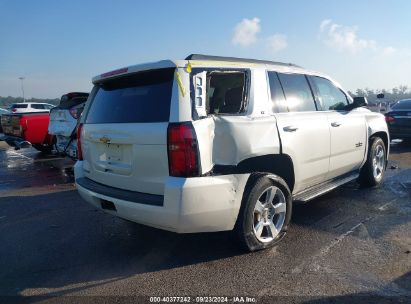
(297, 91)
(143, 97)
(37, 106)
(279, 103)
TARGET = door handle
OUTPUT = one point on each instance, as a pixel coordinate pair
(290, 129)
(335, 124)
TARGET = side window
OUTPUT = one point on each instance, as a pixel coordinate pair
(297, 92)
(277, 95)
(37, 106)
(329, 96)
(225, 92)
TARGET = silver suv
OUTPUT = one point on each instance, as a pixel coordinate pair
(212, 144)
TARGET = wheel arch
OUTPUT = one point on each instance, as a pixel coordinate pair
(383, 135)
(276, 164)
(378, 127)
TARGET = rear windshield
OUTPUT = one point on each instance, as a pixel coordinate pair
(72, 99)
(142, 97)
(402, 105)
(19, 106)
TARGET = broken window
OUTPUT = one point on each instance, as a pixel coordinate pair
(220, 92)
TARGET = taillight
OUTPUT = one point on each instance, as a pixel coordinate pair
(73, 112)
(182, 150)
(389, 118)
(79, 150)
(14, 110)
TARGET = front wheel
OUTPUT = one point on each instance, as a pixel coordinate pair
(265, 212)
(373, 171)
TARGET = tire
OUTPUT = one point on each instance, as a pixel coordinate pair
(372, 173)
(263, 226)
(46, 149)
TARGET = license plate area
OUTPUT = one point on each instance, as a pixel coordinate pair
(114, 153)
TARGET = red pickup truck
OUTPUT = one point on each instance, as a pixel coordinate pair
(22, 130)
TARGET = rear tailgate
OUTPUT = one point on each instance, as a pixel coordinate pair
(11, 124)
(124, 139)
(135, 158)
(61, 122)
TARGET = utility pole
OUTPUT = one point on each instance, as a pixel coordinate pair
(22, 88)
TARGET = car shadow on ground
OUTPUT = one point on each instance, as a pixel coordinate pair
(55, 240)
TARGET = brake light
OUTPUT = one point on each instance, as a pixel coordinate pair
(115, 72)
(182, 150)
(389, 118)
(14, 110)
(79, 150)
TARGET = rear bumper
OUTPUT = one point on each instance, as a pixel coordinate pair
(200, 204)
(400, 133)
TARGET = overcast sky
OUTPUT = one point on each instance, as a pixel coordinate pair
(59, 45)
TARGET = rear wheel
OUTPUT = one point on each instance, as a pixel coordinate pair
(265, 213)
(373, 171)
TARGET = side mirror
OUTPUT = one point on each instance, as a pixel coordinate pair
(360, 102)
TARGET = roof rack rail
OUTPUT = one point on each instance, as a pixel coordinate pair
(235, 59)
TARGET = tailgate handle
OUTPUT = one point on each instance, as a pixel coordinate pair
(290, 129)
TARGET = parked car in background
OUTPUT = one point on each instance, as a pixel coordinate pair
(399, 120)
(30, 107)
(3, 111)
(216, 143)
(22, 130)
(63, 122)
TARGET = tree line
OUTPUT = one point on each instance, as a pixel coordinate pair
(395, 94)
(6, 102)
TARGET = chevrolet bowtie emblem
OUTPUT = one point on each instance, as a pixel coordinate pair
(105, 139)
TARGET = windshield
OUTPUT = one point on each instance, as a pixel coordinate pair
(142, 97)
(402, 105)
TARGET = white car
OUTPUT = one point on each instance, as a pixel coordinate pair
(212, 144)
(29, 107)
(63, 122)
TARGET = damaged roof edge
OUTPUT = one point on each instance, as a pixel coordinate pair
(201, 60)
(235, 59)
